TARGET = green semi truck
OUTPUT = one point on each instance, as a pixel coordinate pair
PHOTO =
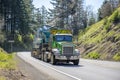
(55, 45)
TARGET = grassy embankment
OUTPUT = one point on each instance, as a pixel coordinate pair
(102, 40)
(6, 62)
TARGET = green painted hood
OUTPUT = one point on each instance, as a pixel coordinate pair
(65, 43)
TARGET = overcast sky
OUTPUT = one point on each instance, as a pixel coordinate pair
(94, 3)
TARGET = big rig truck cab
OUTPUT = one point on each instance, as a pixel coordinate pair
(63, 48)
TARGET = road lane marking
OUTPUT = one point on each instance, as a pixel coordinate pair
(62, 72)
(50, 67)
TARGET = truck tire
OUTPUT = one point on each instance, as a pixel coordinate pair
(35, 56)
(32, 54)
(39, 56)
(53, 60)
(46, 58)
(42, 57)
(76, 62)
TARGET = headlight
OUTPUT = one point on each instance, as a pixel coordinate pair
(55, 51)
(77, 51)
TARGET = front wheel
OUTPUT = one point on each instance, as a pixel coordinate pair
(76, 62)
(53, 60)
(33, 53)
(46, 58)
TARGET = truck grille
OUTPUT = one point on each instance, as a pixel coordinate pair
(67, 51)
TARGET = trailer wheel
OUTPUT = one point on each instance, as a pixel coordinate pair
(32, 54)
(39, 56)
(42, 57)
(76, 62)
(53, 60)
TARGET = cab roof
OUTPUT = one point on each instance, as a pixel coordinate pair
(64, 34)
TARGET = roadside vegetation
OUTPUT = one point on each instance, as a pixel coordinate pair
(92, 55)
(6, 60)
(6, 63)
(8, 67)
(117, 57)
(102, 40)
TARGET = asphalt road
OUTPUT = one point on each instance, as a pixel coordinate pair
(86, 70)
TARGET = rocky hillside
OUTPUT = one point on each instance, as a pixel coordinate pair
(102, 40)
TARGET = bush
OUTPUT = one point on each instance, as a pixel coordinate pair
(115, 17)
(116, 57)
(93, 55)
(19, 38)
(107, 25)
(28, 38)
(105, 21)
(31, 36)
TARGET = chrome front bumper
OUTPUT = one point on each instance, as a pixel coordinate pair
(67, 58)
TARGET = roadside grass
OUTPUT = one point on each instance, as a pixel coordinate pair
(2, 78)
(7, 60)
(87, 36)
(93, 55)
(116, 57)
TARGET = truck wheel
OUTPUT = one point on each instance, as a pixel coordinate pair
(53, 60)
(32, 54)
(39, 56)
(46, 58)
(67, 62)
(42, 57)
(76, 62)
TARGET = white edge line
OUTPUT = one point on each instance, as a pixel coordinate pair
(55, 70)
(62, 72)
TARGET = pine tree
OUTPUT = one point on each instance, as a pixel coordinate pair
(79, 18)
(17, 17)
(107, 8)
(63, 12)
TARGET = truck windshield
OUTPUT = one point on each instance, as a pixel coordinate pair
(64, 38)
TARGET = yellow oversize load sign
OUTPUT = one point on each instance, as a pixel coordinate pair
(61, 32)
